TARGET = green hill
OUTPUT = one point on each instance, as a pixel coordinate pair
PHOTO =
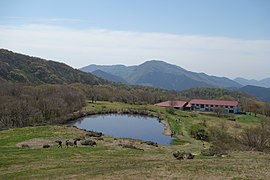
(21, 68)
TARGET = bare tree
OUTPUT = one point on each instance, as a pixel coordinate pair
(219, 111)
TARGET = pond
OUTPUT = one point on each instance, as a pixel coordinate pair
(126, 126)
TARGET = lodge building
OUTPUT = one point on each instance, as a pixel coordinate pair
(211, 105)
(203, 105)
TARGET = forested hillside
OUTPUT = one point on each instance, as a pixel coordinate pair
(16, 67)
(108, 76)
(260, 92)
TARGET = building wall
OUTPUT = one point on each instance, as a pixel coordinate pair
(212, 108)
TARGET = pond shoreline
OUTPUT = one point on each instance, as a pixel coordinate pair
(126, 125)
(167, 128)
(75, 116)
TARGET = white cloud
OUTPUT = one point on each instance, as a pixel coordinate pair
(213, 55)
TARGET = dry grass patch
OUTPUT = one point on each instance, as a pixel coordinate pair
(36, 142)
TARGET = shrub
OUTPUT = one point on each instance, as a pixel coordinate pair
(193, 114)
(130, 146)
(94, 134)
(88, 143)
(256, 138)
(199, 132)
(219, 135)
(46, 146)
(170, 110)
(183, 155)
(203, 123)
(150, 143)
(218, 149)
(237, 125)
(25, 146)
(221, 141)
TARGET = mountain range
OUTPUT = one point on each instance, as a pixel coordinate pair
(160, 74)
(167, 76)
(262, 83)
(15, 67)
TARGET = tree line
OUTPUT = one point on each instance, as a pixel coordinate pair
(24, 105)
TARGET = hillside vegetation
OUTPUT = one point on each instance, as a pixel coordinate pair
(16, 67)
(23, 105)
(262, 93)
(108, 76)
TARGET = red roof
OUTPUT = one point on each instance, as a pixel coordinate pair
(214, 102)
(177, 104)
(188, 105)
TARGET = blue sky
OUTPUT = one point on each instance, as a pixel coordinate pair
(248, 19)
(204, 36)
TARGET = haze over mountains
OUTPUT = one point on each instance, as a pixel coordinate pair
(262, 83)
(160, 74)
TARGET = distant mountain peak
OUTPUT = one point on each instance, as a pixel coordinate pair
(161, 74)
(154, 62)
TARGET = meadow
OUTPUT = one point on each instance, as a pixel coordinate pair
(108, 160)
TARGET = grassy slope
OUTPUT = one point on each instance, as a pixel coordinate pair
(109, 161)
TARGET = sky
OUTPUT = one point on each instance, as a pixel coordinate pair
(223, 38)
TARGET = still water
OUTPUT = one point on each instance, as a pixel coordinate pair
(126, 126)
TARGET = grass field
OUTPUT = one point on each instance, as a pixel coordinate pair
(108, 160)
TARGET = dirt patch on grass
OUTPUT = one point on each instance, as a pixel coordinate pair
(36, 142)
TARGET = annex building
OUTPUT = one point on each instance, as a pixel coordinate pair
(175, 104)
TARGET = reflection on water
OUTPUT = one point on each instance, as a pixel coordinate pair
(126, 126)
